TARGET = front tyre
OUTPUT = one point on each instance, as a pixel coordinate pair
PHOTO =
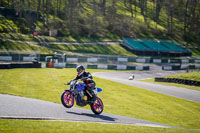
(67, 99)
(97, 106)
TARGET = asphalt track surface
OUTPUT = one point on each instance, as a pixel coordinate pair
(15, 107)
(156, 71)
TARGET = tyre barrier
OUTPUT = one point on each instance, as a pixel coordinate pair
(178, 81)
(20, 65)
(100, 66)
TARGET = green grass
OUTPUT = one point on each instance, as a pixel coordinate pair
(110, 49)
(190, 76)
(195, 51)
(99, 49)
(7, 25)
(31, 126)
(48, 84)
(23, 47)
(30, 37)
(19, 37)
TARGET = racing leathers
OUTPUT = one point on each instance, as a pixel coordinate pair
(88, 80)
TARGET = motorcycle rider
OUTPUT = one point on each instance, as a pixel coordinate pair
(87, 78)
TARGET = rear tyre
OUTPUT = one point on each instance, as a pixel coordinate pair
(97, 106)
(67, 99)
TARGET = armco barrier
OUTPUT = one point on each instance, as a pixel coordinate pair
(131, 67)
(121, 67)
(180, 67)
(92, 66)
(100, 66)
(112, 67)
(6, 58)
(70, 65)
(145, 67)
(59, 65)
(122, 59)
(179, 81)
(25, 65)
(20, 65)
(191, 66)
(4, 66)
(97, 59)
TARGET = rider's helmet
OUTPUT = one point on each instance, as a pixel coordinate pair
(80, 69)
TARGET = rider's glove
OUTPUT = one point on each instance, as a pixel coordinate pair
(68, 83)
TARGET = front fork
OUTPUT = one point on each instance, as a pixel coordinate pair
(93, 98)
(88, 93)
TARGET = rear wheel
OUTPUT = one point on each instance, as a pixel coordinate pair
(67, 99)
(97, 106)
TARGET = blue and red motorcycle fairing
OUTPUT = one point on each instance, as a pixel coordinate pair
(82, 97)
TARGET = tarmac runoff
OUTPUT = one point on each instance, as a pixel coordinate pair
(123, 77)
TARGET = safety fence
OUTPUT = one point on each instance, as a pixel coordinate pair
(129, 59)
(99, 66)
(180, 67)
(20, 65)
(95, 59)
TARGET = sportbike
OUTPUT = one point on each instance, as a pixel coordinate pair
(82, 96)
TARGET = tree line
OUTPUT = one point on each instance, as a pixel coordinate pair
(125, 18)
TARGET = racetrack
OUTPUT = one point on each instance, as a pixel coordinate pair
(156, 71)
(15, 107)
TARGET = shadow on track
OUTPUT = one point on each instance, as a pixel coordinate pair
(103, 117)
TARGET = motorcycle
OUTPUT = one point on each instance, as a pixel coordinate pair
(82, 97)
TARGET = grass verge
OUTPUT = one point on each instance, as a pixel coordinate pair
(190, 76)
(32, 126)
(48, 84)
(30, 37)
(109, 49)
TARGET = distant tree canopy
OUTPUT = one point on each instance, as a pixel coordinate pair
(124, 18)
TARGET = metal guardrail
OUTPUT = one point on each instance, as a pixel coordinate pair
(99, 66)
(94, 59)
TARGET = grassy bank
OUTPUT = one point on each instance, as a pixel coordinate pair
(110, 49)
(48, 84)
(30, 37)
(31, 126)
(25, 47)
(190, 76)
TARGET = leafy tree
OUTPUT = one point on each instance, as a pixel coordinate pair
(174, 18)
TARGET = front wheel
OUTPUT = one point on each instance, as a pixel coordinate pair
(97, 106)
(67, 99)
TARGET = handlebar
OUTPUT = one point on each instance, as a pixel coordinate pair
(82, 79)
